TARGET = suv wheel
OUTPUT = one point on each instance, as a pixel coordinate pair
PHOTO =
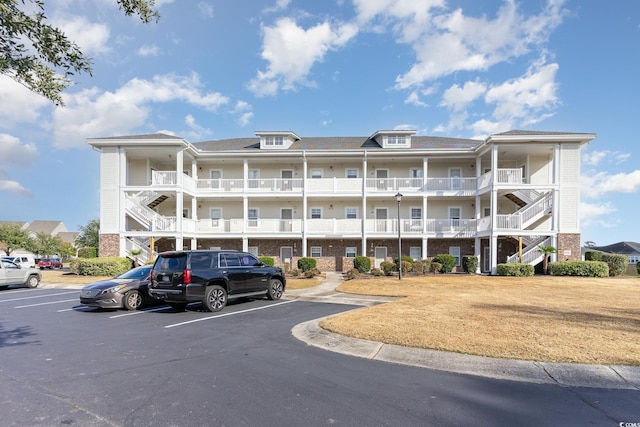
(215, 298)
(275, 289)
(33, 281)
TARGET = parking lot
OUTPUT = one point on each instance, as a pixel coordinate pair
(67, 364)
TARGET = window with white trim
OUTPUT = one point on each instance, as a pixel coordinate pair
(274, 141)
(252, 216)
(351, 213)
(415, 173)
(415, 252)
(316, 213)
(396, 140)
(351, 252)
(455, 251)
(215, 214)
(315, 251)
(316, 173)
(352, 173)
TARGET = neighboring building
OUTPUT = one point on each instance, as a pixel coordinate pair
(52, 228)
(631, 249)
(333, 198)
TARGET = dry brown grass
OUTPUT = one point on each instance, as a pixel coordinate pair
(553, 319)
(66, 277)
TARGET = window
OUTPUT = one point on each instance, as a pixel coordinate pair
(185, 213)
(415, 173)
(351, 213)
(352, 173)
(315, 252)
(455, 251)
(416, 219)
(454, 216)
(274, 140)
(351, 252)
(316, 213)
(254, 173)
(415, 252)
(252, 216)
(316, 173)
(253, 250)
(416, 213)
(396, 140)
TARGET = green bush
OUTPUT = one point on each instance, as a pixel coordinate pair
(617, 263)
(469, 264)
(447, 261)
(418, 267)
(638, 267)
(111, 266)
(306, 264)
(267, 260)
(436, 267)
(593, 256)
(405, 258)
(514, 269)
(376, 272)
(88, 252)
(406, 266)
(579, 268)
(387, 267)
(362, 264)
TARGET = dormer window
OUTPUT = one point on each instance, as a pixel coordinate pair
(276, 140)
(393, 138)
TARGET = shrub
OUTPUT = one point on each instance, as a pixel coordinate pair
(287, 267)
(470, 264)
(436, 267)
(418, 267)
(593, 256)
(405, 258)
(351, 274)
(514, 269)
(376, 272)
(362, 264)
(267, 260)
(295, 273)
(88, 252)
(306, 264)
(111, 266)
(447, 261)
(579, 268)
(310, 274)
(638, 267)
(406, 266)
(617, 263)
(387, 267)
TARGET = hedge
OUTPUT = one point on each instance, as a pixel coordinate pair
(267, 260)
(514, 269)
(593, 256)
(306, 264)
(88, 252)
(448, 262)
(362, 264)
(617, 263)
(579, 268)
(108, 266)
(469, 264)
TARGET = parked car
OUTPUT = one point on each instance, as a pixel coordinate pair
(23, 260)
(49, 263)
(12, 274)
(213, 277)
(128, 290)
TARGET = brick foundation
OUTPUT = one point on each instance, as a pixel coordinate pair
(569, 247)
(109, 245)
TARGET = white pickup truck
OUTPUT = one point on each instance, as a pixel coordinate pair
(12, 274)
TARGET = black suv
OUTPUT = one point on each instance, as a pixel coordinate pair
(212, 277)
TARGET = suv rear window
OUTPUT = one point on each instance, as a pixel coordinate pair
(203, 261)
(172, 263)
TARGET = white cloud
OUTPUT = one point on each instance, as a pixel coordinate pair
(15, 153)
(91, 37)
(596, 214)
(92, 113)
(19, 104)
(291, 52)
(595, 157)
(596, 184)
(195, 131)
(457, 98)
(149, 50)
(245, 114)
(206, 9)
(414, 99)
(14, 187)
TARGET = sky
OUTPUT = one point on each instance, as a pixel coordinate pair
(219, 69)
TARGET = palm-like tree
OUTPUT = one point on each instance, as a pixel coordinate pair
(546, 250)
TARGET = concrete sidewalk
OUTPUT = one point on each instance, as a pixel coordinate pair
(563, 374)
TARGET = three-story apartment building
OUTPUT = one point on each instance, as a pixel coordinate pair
(334, 198)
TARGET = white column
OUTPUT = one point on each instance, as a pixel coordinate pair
(304, 205)
(363, 223)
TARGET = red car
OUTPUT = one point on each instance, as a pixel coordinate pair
(49, 263)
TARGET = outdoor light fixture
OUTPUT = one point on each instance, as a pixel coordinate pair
(398, 199)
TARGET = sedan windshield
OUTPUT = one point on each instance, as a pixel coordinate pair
(136, 273)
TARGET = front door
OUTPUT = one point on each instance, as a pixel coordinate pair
(455, 175)
(381, 219)
(286, 219)
(486, 261)
(286, 256)
(382, 180)
(287, 176)
(380, 255)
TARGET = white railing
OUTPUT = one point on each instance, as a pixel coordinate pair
(164, 178)
(451, 184)
(221, 185)
(531, 254)
(140, 212)
(485, 180)
(535, 210)
(455, 227)
(334, 226)
(508, 222)
(509, 176)
(393, 184)
(275, 184)
(164, 223)
(334, 185)
(133, 244)
(251, 226)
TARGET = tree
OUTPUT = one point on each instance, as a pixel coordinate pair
(12, 237)
(89, 236)
(45, 244)
(546, 251)
(38, 55)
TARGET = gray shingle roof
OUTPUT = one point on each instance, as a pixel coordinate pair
(624, 248)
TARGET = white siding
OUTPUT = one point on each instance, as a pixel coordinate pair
(109, 190)
(569, 199)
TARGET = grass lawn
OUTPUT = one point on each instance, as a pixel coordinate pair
(542, 318)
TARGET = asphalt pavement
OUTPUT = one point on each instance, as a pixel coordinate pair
(562, 374)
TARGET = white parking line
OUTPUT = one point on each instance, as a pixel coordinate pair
(228, 314)
(133, 313)
(38, 296)
(46, 303)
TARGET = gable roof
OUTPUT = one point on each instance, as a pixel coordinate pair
(48, 227)
(624, 248)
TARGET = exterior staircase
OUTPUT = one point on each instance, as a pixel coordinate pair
(137, 207)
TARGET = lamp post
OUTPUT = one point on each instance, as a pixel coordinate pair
(398, 199)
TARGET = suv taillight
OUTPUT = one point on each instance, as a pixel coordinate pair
(186, 277)
(151, 276)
